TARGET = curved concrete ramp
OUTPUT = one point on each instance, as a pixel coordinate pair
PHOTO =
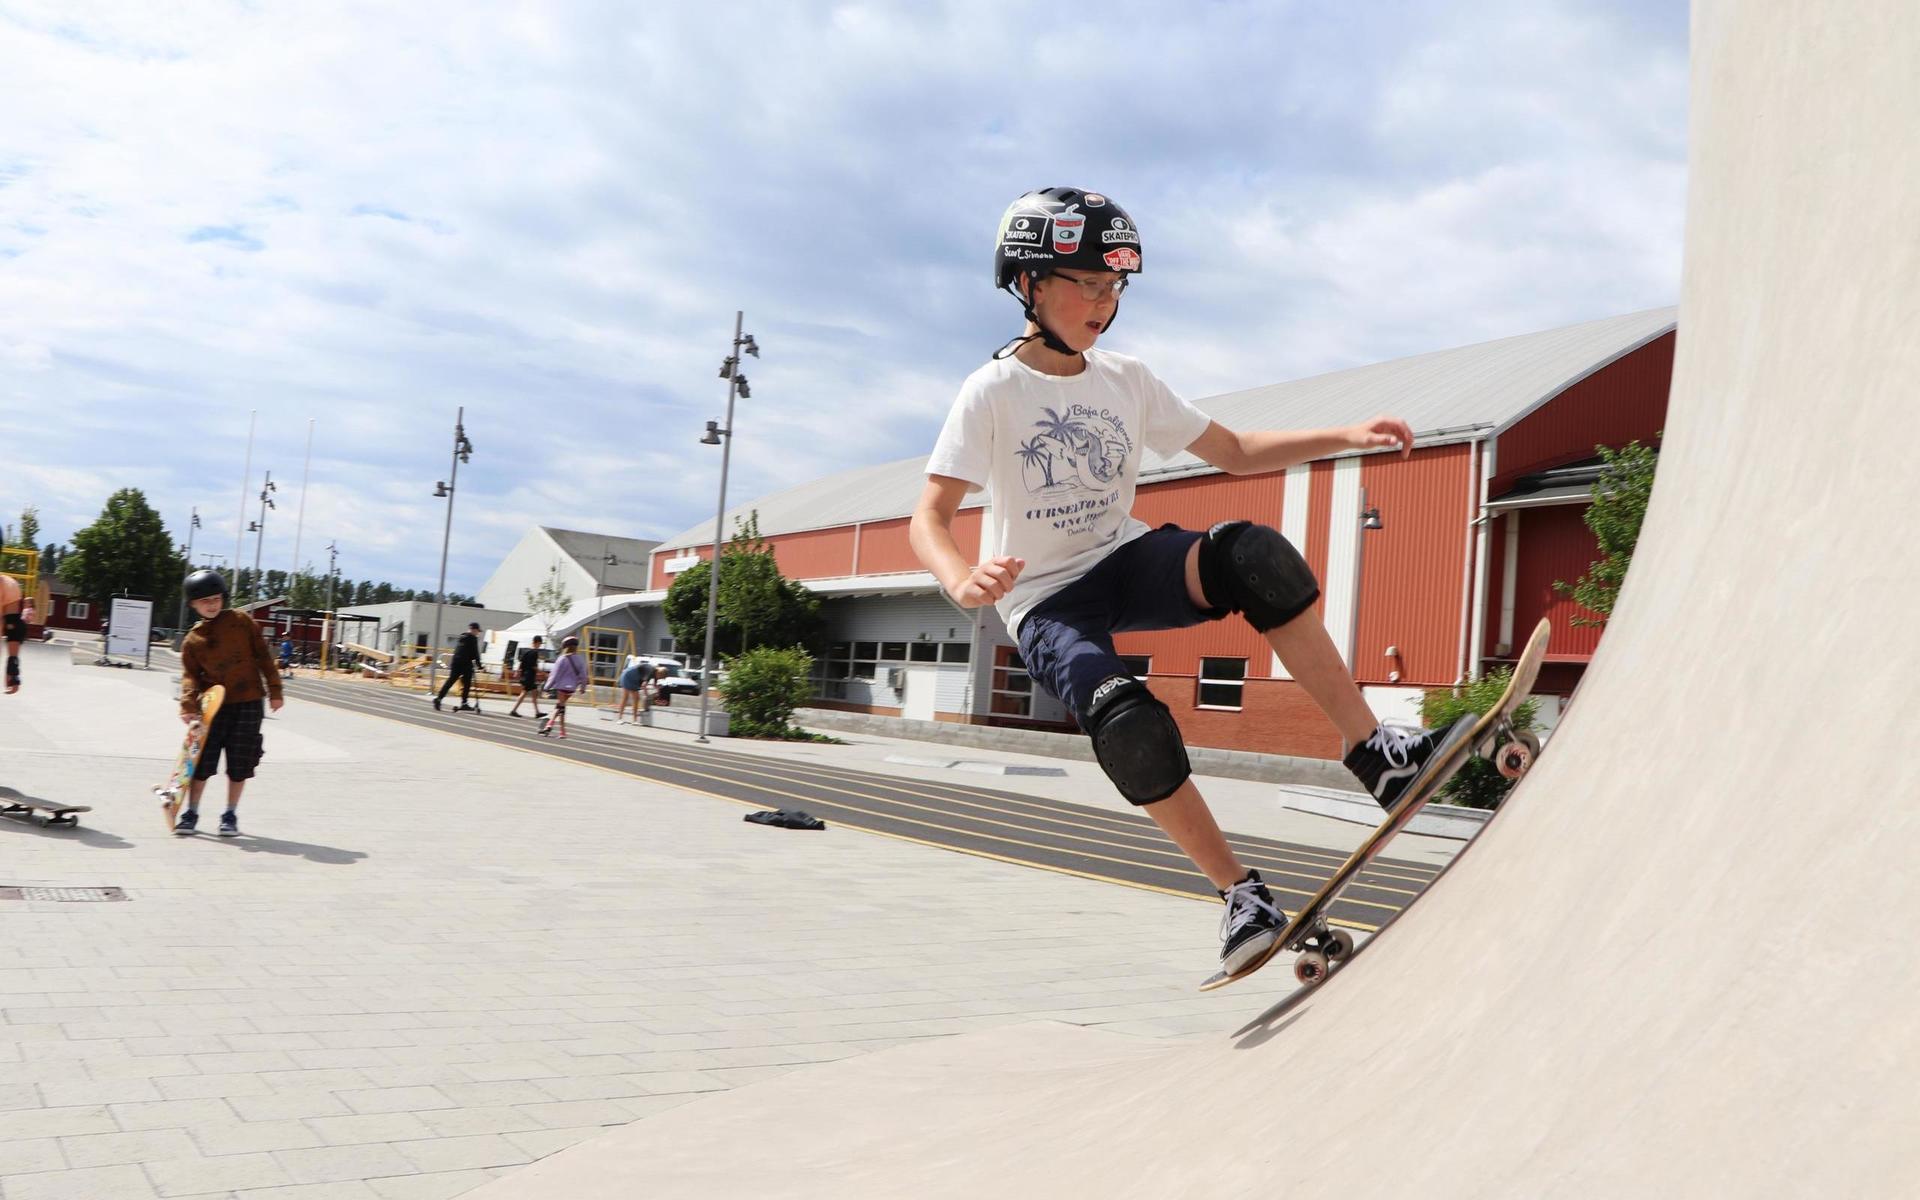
(1683, 962)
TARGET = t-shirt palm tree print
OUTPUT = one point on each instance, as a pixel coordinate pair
(1051, 460)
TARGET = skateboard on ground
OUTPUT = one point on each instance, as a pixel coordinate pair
(1320, 946)
(15, 803)
(173, 793)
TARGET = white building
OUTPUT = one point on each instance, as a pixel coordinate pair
(588, 565)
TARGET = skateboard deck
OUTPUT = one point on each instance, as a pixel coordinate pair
(14, 803)
(173, 793)
(1319, 945)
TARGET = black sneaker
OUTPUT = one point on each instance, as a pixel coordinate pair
(436, 704)
(187, 822)
(229, 824)
(1251, 925)
(1397, 755)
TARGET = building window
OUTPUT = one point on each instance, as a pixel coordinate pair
(666, 645)
(956, 652)
(1012, 686)
(1137, 665)
(893, 652)
(78, 610)
(924, 652)
(1221, 682)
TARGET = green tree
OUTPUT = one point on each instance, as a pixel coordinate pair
(1619, 508)
(758, 606)
(549, 600)
(29, 532)
(309, 589)
(125, 551)
(1478, 784)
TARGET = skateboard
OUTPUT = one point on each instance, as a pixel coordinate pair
(1320, 946)
(173, 793)
(15, 803)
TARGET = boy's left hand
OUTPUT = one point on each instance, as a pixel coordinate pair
(1382, 433)
(276, 703)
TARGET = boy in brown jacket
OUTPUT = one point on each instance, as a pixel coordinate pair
(226, 648)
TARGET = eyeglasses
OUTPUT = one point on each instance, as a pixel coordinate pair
(1095, 287)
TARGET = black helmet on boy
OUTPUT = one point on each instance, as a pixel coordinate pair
(202, 584)
(1046, 230)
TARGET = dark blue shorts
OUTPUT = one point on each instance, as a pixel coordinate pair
(1067, 640)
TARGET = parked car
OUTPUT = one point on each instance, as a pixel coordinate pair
(678, 682)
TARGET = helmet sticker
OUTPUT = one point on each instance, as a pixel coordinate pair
(1095, 200)
(1068, 224)
(1120, 231)
(1122, 259)
(1020, 230)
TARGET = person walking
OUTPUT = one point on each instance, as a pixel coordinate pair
(569, 676)
(529, 679)
(225, 647)
(14, 608)
(466, 660)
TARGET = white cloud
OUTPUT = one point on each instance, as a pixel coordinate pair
(373, 214)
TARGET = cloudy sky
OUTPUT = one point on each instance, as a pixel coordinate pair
(372, 214)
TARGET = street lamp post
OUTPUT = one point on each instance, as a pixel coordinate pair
(723, 437)
(191, 526)
(332, 625)
(260, 528)
(462, 452)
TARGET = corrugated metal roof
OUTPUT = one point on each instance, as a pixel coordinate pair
(1482, 388)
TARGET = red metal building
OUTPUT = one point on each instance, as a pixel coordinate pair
(1430, 566)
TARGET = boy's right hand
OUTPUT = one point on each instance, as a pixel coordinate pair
(189, 718)
(988, 582)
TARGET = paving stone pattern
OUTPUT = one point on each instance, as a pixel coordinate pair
(432, 961)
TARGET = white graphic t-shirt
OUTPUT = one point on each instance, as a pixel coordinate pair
(1058, 456)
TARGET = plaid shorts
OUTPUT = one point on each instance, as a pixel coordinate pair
(236, 733)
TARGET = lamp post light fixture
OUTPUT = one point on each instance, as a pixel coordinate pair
(722, 436)
(1370, 519)
(259, 528)
(462, 452)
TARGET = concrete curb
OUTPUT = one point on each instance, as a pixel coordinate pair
(982, 768)
(1436, 820)
(1226, 764)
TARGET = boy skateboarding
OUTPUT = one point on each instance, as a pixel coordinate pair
(227, 648)
(1053, 429)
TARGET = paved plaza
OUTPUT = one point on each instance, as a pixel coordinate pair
(432, 960)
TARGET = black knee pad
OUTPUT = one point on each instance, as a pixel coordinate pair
(1136, 741)
(13, 668)
(1251, 569)
(16, 628)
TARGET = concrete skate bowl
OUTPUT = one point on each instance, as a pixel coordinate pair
(1683, 961)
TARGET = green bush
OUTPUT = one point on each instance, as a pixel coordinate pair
(763, 687)
(1477, 784)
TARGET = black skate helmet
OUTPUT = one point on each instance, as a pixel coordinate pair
(1057, 227)
(202, 584)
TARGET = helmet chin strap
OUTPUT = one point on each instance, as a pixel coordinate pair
(1047, 337)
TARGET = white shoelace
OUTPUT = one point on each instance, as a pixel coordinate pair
(1243, 902)
(1393, 741)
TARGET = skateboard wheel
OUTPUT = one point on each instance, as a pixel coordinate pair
(1311, 967)
(1517, 756)
(1337, 944)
